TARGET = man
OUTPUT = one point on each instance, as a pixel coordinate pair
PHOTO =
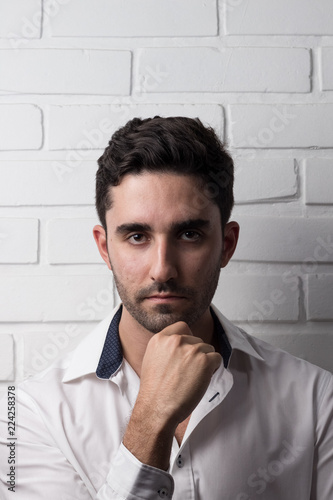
(167, 398)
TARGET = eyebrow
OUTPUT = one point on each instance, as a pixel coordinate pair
(175, 226)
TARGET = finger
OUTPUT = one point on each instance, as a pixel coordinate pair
(205, 348)
(216, 359)
(178, 328)
(188, 339)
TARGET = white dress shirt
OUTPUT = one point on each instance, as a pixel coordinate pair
(263, 430)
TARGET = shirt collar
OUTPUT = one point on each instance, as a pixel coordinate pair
(89, 353)
(238, 338)
(112, 355)
(84, 359)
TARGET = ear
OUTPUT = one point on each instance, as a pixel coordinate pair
(101, 242)
(231, 233)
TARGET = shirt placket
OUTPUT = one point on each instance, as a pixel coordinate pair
(181, 467)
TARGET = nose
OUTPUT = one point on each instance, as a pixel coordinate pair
(163, 261)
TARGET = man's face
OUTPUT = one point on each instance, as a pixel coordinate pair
(164, 252)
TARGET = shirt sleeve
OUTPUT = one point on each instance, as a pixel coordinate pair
(40, 468)
(322, 483)
(129, 479)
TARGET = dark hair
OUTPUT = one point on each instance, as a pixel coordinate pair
(176, 144)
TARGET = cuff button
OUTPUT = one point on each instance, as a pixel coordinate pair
(163, 493)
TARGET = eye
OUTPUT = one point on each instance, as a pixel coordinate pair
(137, 238)
(191, 235)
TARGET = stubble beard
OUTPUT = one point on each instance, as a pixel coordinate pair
(163, 315)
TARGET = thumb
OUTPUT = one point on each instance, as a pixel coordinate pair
(178, 328)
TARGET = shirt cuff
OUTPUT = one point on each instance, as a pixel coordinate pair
(133, 480)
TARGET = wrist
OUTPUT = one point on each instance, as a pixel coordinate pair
(149, 437)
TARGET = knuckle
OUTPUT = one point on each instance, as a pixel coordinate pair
(182, 327)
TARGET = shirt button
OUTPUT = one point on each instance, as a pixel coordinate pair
(180, 462)
(163, 493)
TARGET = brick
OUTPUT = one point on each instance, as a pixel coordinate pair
(319, 297)
(6, 357)
(19, 241)
(281, 126)
(279, 17)
(319, 181)
(57, 71)
(313, 347)
(252, 298)
(327, 68)
(91, 126)
(285, 239)
(70, 241)
(59, 178)
(115, 18)
(20, 19)
(56, 298)
(262, 180)
(206, 69)
(20, 126)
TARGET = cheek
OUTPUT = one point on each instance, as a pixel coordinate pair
(129, 268)
(207, 258)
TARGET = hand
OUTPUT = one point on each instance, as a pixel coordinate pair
(175, 373)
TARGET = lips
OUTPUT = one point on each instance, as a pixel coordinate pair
(164, 297)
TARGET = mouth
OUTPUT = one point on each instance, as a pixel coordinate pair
(164, 298)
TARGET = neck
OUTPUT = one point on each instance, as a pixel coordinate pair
(134, 337)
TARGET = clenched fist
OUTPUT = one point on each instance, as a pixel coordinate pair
(176, 370)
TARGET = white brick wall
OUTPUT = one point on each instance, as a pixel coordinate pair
(206, 69)
(72, 71)
(317, 191)
(90, 127)
(257, 299)
(6, 357)
(51, 176)
(327, 68)
(69, 241)
(279, 17)
(20, 127)
(287, 239)
(147, 18)
(15, 19)
(92, 72)
(319, 298)
(281, 126)
(19, 241)
(56, 298)
(260, 180)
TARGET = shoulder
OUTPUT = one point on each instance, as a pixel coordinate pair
(272, 366)
(289, 374)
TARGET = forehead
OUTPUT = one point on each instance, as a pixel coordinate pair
(160, 199)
